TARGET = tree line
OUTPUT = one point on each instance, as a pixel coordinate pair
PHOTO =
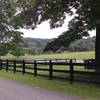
(60, 45)
(32, 46)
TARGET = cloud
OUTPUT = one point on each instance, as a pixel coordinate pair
(43, 30)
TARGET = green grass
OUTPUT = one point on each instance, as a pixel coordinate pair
(77, 55)
(86, 91)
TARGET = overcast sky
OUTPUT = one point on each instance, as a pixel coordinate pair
(43, 30)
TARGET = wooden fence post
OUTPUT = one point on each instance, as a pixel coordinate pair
(35, 68)
(14, 66)
(0, 64)
(50, 70)
(7, 65)
(71, 72)
(23, 67)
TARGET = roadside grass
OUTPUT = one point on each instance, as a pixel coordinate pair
(69, 55)
(86, 91)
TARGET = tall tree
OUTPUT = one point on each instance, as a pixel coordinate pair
(8, 34)
(87, 17)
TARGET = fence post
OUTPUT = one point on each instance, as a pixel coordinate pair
(75, 60)
(85, 64)
(71, 72)
(14, 66)
(23, 67)
(0, 64)
(7, 65)
(50, 70)
(35, 68)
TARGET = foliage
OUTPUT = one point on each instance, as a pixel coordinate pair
(7, 30)
(9, 37)
(87, 15)
(17, 51)
(3, 50)
(61, 44)
(33, 50)
(83, 45)
(34, 42)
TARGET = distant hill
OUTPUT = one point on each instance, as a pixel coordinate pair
(78, 45)
(34, 42)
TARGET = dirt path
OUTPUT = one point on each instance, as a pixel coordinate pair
(11, 90)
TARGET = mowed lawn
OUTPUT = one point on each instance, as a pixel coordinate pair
(66, 55)
(85, 90)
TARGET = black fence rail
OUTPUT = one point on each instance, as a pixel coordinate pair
(71, 71)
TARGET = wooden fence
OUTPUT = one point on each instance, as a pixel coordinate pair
(32, 67)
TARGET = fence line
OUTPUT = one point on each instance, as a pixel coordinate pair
(22, 66)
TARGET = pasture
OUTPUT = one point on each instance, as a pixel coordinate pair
(65, 55)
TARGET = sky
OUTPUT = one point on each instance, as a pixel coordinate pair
(43, 30)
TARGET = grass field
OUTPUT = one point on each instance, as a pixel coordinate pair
(77, 55)
(85, 90)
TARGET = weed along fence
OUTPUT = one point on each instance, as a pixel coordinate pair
(69, 69)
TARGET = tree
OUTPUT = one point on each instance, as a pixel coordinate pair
(3, 50)
(18, 51)
(8, 33)
(83, 45)
(87, 17)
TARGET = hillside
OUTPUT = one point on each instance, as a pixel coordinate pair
(36, 45)
(34, 42)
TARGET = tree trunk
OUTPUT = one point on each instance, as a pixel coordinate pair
(97, 48)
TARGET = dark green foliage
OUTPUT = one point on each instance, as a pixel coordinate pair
(83, 45)
(61, 44)
(3, 50)
(7, 30)
(36, 11)
(9, 37)
(18, 51)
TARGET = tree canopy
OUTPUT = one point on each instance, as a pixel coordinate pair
(8, 33)
(87, 14)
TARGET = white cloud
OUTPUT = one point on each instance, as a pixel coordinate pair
(43, 30)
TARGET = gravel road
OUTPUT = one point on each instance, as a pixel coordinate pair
(11, 90)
